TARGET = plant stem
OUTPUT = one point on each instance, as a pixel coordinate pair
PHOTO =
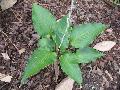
(68, 21)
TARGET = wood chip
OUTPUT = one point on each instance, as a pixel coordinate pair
(66, 84)
(110, 76)
(110, 30)
(5, 78)
(5, 4)
(5, 56)
(21, 51)
(98, 71)
(105, 81)
(105, 45)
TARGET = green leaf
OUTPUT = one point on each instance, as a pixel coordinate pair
(47, 43)
(86, 55)
(43, 20)
(84, 34)
(59, 32)
(39, 60)
(72, 70)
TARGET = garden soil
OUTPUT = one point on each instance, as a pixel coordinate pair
(18, 39)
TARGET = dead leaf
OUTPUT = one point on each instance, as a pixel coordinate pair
(5, 4)
(5, 56)
(5, 78)
(66, 84)
(21, 51)
(104, 45)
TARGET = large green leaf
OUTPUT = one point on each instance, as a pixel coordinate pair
(84, 34)
(72, 70)
(47, 43)
(86, 55)
(60, 31)
(39, 60)
(43, 20)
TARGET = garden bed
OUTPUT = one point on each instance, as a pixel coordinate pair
(104, 74)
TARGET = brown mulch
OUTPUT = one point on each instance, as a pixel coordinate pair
(16, 23)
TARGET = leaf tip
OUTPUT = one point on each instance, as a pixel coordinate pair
(23, 80)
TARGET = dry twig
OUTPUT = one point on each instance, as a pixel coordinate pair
(9, 39)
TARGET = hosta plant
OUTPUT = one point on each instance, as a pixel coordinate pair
(73, 50)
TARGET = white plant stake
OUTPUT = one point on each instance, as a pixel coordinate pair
(68, 21)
